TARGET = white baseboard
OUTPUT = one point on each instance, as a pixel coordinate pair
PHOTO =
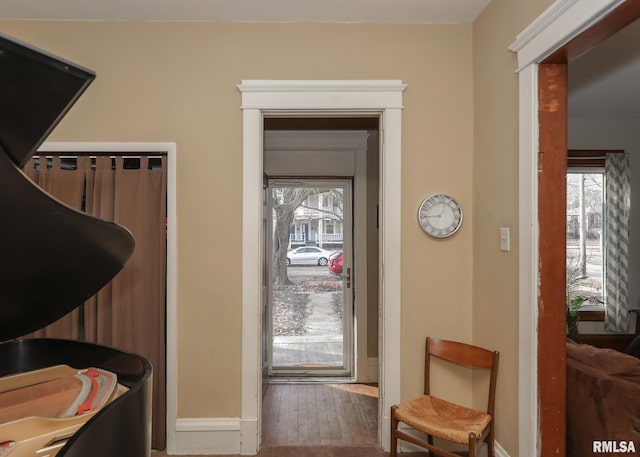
(207, 436)
(500, 452)
(201, 436)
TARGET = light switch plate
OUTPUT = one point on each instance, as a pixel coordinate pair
(505, 242)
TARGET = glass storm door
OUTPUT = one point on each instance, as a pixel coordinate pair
(310, 311)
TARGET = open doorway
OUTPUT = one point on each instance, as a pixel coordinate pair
(330, 166)
(362, 98)
(543, 59)
(321, 267)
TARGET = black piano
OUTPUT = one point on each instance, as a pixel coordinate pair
(53, 258)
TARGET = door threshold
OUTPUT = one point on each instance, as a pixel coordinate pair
(312, 379)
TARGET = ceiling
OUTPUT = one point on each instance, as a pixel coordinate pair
(374, 11)
(605, 82)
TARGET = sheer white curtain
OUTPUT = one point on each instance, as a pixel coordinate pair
(617, 194)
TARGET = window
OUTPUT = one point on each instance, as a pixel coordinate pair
(597, 235)
(585, 238)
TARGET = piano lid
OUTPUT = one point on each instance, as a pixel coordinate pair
(36, 91)
(52, 257)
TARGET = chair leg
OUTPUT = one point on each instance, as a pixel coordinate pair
(490, 449)
(393, 451)
(472, 445)
(490, 442)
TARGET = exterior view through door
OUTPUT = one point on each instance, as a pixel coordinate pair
(310, 271)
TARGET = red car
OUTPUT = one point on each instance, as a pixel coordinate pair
(335, 263)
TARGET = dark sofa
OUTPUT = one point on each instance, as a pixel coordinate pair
(603, 400)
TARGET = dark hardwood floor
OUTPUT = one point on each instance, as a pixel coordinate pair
(319, 420)
(315, 414)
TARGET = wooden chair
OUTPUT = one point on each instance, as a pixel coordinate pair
(439, 418)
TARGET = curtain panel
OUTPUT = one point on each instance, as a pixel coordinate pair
(68, 187)
(618, 198)
(129, 312)
(100, 201)
(140, 205)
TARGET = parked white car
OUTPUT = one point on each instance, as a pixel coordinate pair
(308, 255)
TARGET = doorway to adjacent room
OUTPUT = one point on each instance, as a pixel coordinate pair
(381, 99)
(321, 244)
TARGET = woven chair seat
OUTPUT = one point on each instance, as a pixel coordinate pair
(442, 419)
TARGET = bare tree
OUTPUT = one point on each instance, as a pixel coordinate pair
(285, 202)
(585, 205)
(335, 213)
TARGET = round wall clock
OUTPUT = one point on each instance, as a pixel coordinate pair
(440, 215)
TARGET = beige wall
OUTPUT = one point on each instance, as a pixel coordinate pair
(495, 197)
(177, 82)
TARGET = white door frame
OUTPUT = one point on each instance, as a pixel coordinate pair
(133, 147)
(307, 98)
(561, 22)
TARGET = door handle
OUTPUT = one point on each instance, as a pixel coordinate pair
(348, 278)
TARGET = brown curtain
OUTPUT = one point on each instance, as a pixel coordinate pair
(141, 329)
(100, 195)
(30, 171)
(129, 312)
(66, 185)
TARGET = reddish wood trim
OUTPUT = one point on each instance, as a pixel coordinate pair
(615, 21)
(552, 115)
(585, 163)
(592, 152)
(588, 158)
(591, 316)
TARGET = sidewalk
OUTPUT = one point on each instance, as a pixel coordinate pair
(322, 343)
(307, 350)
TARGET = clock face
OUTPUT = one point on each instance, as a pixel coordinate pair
(440, 215)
